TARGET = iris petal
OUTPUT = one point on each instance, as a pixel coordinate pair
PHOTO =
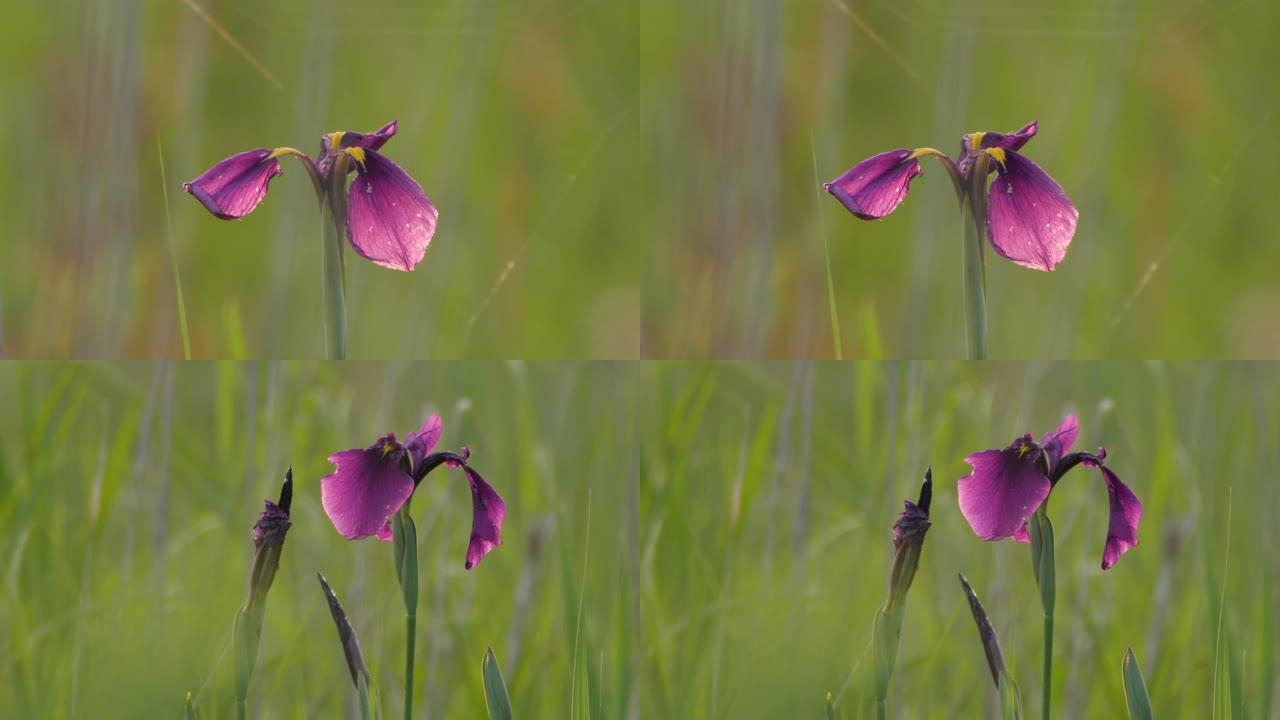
(390, 221)
(373, 140)
(1030, 220)
(1058, 443)
(232, 188)
(1126, 513)
(876, 186)
(1004, 141)
(487, 513)
(1011, 141)
(1003, 490)
(421, 443)
(364, 491)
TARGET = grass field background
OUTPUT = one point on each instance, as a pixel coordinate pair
(516, 118)
(738, 543)
(1154, 116)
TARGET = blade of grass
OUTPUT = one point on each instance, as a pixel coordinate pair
(1135, 689)
(173, 256)
(495, 689)
(826, 252)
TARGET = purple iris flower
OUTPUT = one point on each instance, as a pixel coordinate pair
(369, 485)
(1028, 217)
(1007, 486)
(387, 216)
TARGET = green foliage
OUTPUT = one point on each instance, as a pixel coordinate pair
(1135, 689)
(671, 602)
(1164, 160)
(495, 688)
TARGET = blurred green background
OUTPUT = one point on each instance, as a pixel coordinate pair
(770, 489)
(738, 543)
(127, 494)
(514, 116)
(1156, 117)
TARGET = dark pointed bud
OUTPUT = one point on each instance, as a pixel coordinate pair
(990, 643)
(346, 635)
(268, 541)
(908, 540)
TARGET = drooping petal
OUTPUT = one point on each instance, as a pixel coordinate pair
(876, 186)
(487, 513)
(1003, 490)
(421, 443)
(1030, 220)
(1126, 513)
(232, 188)
(1058, 443)
(367, 487)
(389, 219)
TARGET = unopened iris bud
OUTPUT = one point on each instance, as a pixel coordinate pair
(908, 540)
(268, 542)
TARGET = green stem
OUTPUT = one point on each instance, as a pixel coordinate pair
(335, 292)
(880, 708)
(1048, 663)
(975, 284)
(404, 544)
(240, 711)
(1040, 533)
(412, 620)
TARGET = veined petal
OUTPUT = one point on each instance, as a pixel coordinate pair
(1126, 513)
(421, 443)
(876, 186)
(373, 140)
(232, 188)
(1058, 443)
(389, 219)
(487, 513)
(1011, 141)
(367, 487)
(1003, 490)
(1030, 220)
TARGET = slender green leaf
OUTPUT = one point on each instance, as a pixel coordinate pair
(1135, 689)
(495, 689)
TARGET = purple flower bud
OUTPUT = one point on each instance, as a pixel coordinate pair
(268, 541)
(908, 541)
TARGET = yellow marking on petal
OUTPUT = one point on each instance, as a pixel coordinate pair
(387, 449)
(281, 151)
(335, 140)
(997, 154)
(357, 153)
(921, 152)
(975, 141)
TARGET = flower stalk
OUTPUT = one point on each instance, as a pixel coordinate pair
(973, 220)
(333, 230)
(908, 541)
(404, 547)
(1040, 533)
(268, 540)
